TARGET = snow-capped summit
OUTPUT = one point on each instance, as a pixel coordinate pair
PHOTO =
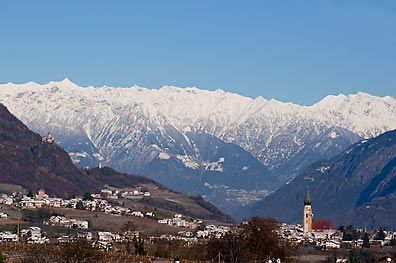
(364, 114)
(67, 82)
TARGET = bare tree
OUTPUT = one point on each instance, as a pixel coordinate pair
(79, 252)
(255, 240)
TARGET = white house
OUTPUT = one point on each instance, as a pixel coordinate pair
(8, 237)
(331, 244)
(36, 235)
(32, 203)
(137, 213)
(105, 236)
(3, 215)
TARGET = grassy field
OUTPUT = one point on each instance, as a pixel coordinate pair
(11, 188)
(176, 198)
(167, 202)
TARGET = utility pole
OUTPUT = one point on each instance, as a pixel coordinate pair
(18, 232)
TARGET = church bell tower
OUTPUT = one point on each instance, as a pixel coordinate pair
(307, 221)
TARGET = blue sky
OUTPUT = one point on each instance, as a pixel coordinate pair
(298, 51)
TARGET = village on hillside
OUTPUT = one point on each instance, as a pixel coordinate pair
(319, 233)
(99, 202)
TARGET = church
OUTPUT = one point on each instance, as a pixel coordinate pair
(309, 224)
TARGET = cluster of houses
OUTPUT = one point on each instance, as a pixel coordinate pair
(213, 231)
(38, 201)
(67, 222)
(134, 194)
(328, 238)
(35, 235)
(188, 237)
(32, 235)
(96, 203)
(104, 240)
(179, 221)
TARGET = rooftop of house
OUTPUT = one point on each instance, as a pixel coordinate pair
(322, 225)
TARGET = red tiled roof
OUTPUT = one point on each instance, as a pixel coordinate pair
(322, 225)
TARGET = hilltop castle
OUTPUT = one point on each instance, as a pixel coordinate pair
(48, 139)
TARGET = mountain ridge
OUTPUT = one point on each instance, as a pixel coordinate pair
(136, 128)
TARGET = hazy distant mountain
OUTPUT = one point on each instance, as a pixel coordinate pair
(356, 187)
(198, 141)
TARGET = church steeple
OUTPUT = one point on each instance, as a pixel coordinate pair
(307, 200)
(308, 216)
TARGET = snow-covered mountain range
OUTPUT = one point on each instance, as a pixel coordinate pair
(230, 148)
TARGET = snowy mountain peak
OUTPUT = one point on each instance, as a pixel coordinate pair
(361, 113)
(65, 83)
(328, 100)
(341, 99)
(260, 99)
